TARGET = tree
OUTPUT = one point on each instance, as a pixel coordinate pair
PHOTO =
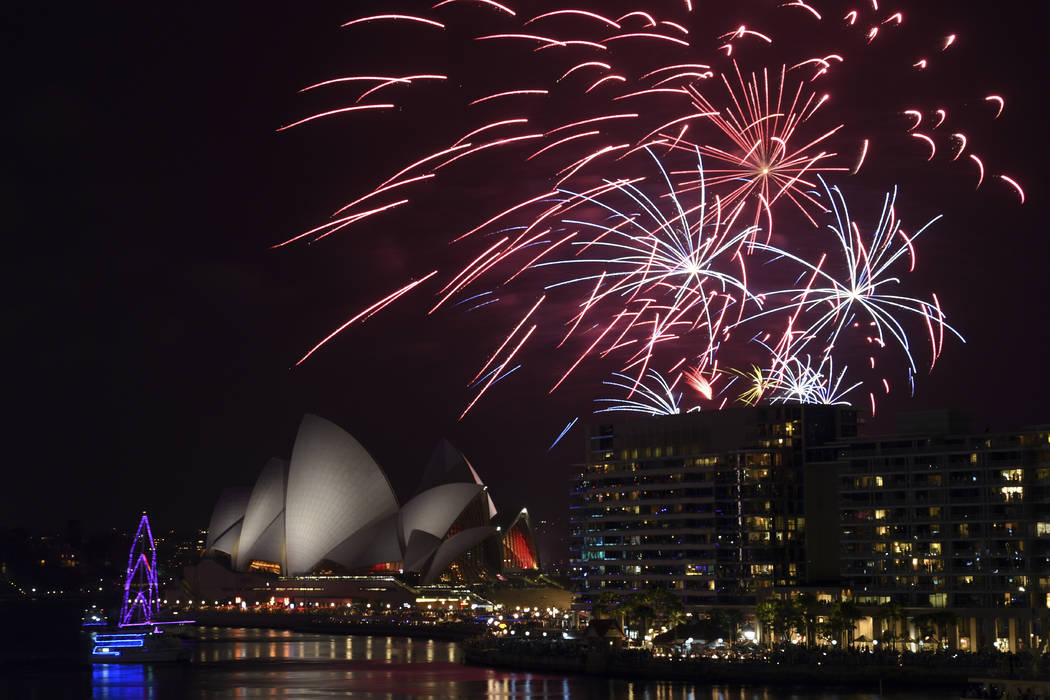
(944, 621)
(935, 624)
(665, 606)
(664, 602)
(638, 607)
(675, 617)
(777, 615)
(809, 610)
(728, 622)
(643, 607)
(891, 614)
(766, 612)
(789, 618)
(924, 626)
(605, 604)
(843, 618)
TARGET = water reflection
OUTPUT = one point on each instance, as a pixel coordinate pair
(122, 681)
(276, 664)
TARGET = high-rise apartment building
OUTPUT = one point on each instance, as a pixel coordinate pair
(936, 517)
(718, 507)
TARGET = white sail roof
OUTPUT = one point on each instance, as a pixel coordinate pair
(435, 509)
(453, 547)
(228, 512)
(375, 543)
(334, 489)
(333, 502)
(265, 507)
(447, 465)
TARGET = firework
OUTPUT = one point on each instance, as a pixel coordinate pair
(656, 270)
(794, 379)
(655, 398)
(676, 271)
(765, 164)
(654, 62)
(857, 294)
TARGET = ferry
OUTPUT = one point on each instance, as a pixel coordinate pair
(146, 646)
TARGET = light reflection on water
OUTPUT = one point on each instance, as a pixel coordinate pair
(222, 645)
(123, 682)
(280, 664)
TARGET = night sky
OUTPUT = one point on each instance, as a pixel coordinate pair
(152, 333)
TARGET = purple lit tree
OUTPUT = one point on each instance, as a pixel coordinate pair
(141, 593)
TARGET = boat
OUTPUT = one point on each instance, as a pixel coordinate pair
(139, 634)
(147, 646)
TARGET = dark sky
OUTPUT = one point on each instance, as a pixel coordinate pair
(151, 333)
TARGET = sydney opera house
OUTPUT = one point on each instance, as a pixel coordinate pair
(329, 515)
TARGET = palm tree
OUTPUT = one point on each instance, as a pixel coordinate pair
(729, 621)
(674, 617)
(935, 624)
(639, 606)
(944, 620)
(844, 617)
(809, 609)
(766, 612)
(653, 604)
(778, 615)
(891, 613)
(606, 603)
(924, 626)
(669, 606)
(790, 617)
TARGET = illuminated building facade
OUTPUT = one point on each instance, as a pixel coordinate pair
(717, 507)
(936, 517)
(519, 545)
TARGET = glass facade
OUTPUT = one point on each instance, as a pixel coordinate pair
(949, 521)
(714, 507)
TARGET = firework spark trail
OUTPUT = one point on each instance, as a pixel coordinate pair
(659, 399)
(562, 434)
(367, 313)
(759, 129)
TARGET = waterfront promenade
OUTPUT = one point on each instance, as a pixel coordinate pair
(313, 622)
(787, 667)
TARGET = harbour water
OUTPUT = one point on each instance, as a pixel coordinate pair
(281, 664)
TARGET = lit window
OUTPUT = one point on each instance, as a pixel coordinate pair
(1012, 493)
